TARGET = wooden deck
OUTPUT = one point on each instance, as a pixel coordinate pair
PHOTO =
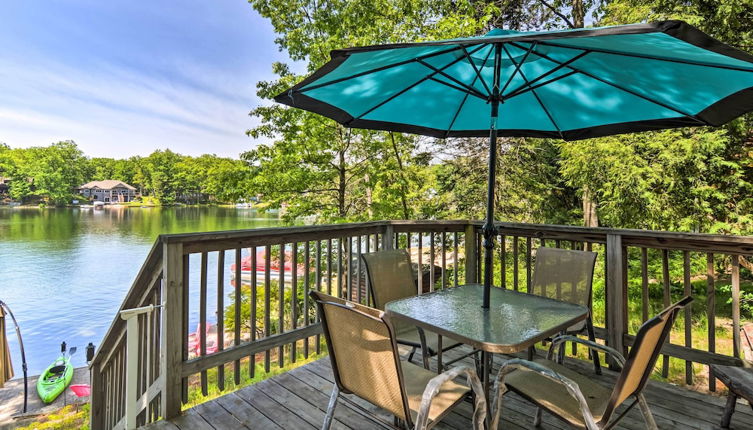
(298, 400)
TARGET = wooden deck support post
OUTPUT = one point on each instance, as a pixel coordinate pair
(471, 254)
(615, 294)
(171, 358)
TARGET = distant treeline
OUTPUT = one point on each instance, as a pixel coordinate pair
(53, 173)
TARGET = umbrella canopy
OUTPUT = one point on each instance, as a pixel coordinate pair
(6, 368)
(570, 84)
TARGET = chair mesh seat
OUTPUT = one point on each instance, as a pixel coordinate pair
(416, 378)
(555, 397)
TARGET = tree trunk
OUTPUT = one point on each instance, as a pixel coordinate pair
(590, 218)
(579, 14)
(341, 186)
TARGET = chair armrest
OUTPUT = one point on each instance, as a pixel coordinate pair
(529, 366)
(432, 389)
(559, 340)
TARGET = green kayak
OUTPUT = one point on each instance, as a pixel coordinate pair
(54, 379)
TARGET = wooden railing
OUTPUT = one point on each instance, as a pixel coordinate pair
(264, 318)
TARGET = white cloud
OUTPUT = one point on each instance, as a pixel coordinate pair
(117, 111)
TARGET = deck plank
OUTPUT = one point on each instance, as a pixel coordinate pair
(298, 400)
(245, 413)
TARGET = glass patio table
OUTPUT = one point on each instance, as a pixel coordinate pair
(514, 321)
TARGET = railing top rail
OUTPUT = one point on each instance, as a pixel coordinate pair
(635, 237)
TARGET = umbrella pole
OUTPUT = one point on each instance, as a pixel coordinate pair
(490, 232)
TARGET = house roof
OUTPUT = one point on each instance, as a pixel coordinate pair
(107, 184)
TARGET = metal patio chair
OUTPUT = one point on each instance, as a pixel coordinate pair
(365, 362)
(391, 278)
(567, 275)
(577, 399)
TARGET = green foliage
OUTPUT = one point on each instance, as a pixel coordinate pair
(682, 180)
(52, 172)
(71, 417)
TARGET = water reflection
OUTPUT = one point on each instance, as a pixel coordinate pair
(64, 272)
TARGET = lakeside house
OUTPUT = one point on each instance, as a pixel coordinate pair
(108, 191)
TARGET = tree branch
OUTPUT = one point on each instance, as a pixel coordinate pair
(558, 13)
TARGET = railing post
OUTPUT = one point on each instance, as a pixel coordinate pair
(615, 294)
(131, 317)
(471, 254)
(171, 351)
(388, 237)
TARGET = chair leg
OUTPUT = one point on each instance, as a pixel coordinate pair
(647, 416)
(331, 408)
(592, 338)
(412, 353)
(729, 409)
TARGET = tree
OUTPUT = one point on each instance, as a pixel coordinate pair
(51, 172)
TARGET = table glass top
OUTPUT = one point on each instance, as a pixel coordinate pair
(513, 322)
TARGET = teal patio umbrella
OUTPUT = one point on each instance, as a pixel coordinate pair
(571, 84)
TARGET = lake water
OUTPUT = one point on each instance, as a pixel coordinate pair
(64, 272)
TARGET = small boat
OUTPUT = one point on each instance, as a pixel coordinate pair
(194, 340)
(247, 271)
(98, 205)
(54, 379)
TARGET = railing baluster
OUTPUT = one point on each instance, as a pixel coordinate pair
(349, 272)
(711, 312)
(735, 305)
(340, 268)
(644, 284)
(503, 260)
(220, 315)
(431, 261)
(318, 287)
(363, 275)
(667, 299)
(294, 296)
(237, 311)
(281, 306)
(254, 310)
(358, 269)
(456, 241)
(420, 264)
(688, 316)
(444, 260)
(329, 267)
(529, 267)
(267, 302)
(203, 318)
(306, 286)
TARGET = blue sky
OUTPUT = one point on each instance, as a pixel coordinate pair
(123, 78)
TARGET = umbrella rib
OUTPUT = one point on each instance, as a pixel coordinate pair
(409, 87)
(462, 103)
(468, 88)
(538, 99)
(478, 72)
(462, 90)
(380, 68)
(517, 66)
(522, 88)
(651, 57)
(527, 88)
(627, 90)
